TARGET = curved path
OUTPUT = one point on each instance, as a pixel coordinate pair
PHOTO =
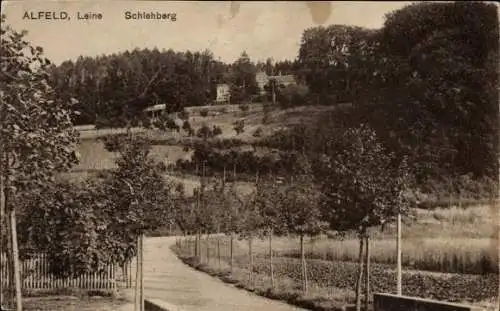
(167, 278)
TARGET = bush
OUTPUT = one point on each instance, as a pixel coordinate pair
(204, 132)
(183, 115)
(258, 132)
(204, 112)
(293, 96)
(239, 126)
(222, 110)
(244, 107)
(216, 130)
(186, 126)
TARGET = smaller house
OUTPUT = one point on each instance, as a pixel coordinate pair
(284, 80)
(155, 111)
(223, 93)
(263, 79)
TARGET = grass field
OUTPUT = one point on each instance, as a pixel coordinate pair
(71, 303)
(332, 282)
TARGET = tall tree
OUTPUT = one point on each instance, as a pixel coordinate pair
(362, 187)
(300, 210)
(37, 139)
(243, 83)
(441, 79)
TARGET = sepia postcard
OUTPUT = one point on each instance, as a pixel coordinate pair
(243, 156)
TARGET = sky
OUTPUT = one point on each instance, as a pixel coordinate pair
(262, 29)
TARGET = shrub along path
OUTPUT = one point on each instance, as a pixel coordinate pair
(167, 278)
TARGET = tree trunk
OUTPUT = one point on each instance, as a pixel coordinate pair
(16, 266)
(196, 245)
(367, 274)
(250, 257)
(312, 245)
(303, 264)
(398, 254)
(208, 249)
(360, 275)
(231, 256)
(218, 252)
(3, 227)
(271, 257)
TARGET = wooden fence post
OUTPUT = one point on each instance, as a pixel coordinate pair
(399, 261)
(137, 276)
(142, 272)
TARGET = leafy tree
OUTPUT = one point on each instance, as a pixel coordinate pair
(204, 112)
(186, 126)
(293, 96)
(230, 217)
(300, 211)
(336, 61)
(244, 107)
(36, 135)
(216, 130)
(269, 199)
(258, 132)
(183, 115)
(239, 126)
(166, 122)
(204, 132)
(362, 186)
(251, 226)
(243, 83)
(441, 82)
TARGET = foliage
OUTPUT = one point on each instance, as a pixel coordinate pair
(186, 126)
(87, 226)
(166, 122)
(443, 81)
(258, 132)
(37, 139)
(36, 132)
(427, 82)
(244, 107)
(216, 130)
(293, 96)
(300, 210)
(183, 115)
(204, 112)
(335, 60)
(239, 126)
(243, 83)
(124, 84)
(204, 132)
(362, 184)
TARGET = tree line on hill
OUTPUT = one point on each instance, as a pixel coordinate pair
(113, 90)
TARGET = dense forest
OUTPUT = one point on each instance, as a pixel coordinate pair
(112, 90)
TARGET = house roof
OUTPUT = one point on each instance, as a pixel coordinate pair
(284, 79)
(156, 108)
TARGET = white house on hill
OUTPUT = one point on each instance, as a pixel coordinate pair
(223, 94)
(263, 79)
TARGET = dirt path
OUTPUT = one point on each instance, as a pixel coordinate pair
(167, 278)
